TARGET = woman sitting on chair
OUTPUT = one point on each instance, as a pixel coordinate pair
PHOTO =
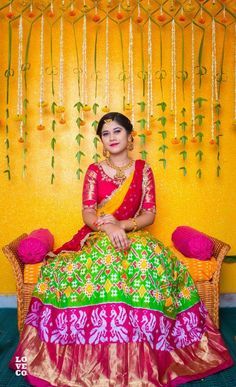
(113, 306)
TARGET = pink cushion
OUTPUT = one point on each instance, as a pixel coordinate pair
(192, 243)
(35, 246)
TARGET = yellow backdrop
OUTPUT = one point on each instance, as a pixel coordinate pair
(207, 204)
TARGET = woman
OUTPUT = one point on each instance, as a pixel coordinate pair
(114, 307)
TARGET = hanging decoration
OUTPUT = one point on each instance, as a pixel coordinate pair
(149, 80)
(61, 108)
(214, 91)
(173, 100)
(42, 103)
(84, 85)
(19, 109)
(106, 108)
(129, 106)
(193, 83)
(234, 120)
(140, 24)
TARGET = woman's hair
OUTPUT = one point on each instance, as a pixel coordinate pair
(119, 118)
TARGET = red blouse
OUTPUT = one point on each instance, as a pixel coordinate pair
(99, 186)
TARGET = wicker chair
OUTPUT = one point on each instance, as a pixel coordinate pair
(208, 290)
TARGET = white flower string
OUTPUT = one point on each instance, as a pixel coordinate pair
(173, 77)
(235, 74)
(107, 89)
(130, 91)
(214, 94)
(84, 62)
(41, 93)
(61, 69)
(20, 84)
(193, 82)
(149, 86)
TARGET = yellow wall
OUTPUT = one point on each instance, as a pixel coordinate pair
(207, 204)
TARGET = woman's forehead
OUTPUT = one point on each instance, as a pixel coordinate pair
(111, 125)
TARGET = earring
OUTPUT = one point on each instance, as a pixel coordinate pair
(130, 146)
(105, 153)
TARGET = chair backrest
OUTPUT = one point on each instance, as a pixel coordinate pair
(10, 252)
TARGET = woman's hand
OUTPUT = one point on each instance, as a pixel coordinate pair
(117, 236)
(105, 219)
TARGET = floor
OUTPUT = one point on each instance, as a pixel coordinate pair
(9, 338)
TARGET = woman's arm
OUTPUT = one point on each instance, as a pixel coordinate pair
(145, 219)
(90, 217)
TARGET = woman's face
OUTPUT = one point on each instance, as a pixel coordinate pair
(114, 137)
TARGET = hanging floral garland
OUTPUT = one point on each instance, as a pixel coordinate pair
(214, 91)
(149, 80)
(20, 116)
(9, 72)
(234, 120)
(61, 108)
(199, 153)
(130, 89)
(173, 101)
(42, 103)
(107, 78)
(19, 109)
(84, 85)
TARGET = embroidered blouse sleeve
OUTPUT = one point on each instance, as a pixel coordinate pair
(149, 200)
(90, 188)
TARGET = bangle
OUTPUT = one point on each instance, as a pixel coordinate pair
(135, 227)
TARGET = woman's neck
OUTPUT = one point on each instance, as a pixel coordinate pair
(119, 160)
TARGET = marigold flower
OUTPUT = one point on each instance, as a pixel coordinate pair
(31, 14)
(21, 140)
(139, 19)
(193, 139)
(105, 109)
(182, 18)
(175, 141)
(212, 141)
(224, 19)
(62, 121)
(148, 132)
(201, 20)
(86, 108)
(40, 127)
(119, 15)
(60, 109)
(72, 12)
(128, 106)
(96, 18)
(82, 123)
(134, 133)
(161, 17)
(51, 14)
(10, 15)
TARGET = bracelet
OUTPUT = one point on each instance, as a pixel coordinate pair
(135, 224)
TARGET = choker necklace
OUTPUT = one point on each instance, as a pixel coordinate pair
(119, 170)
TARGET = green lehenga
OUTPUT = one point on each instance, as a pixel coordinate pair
(102, 317)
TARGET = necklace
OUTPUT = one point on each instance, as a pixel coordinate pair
(119, 170)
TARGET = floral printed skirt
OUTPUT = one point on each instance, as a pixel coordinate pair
(110, 318)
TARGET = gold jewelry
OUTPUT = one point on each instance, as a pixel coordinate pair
(120, 170)
(135, 224)
(107, 121)
(130, 145)
(105, 152)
